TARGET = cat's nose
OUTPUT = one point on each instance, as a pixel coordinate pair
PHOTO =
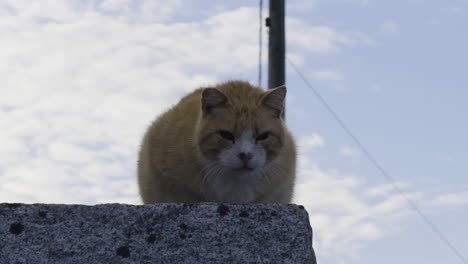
(245, 157)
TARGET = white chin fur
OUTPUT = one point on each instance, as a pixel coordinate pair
(234, 186)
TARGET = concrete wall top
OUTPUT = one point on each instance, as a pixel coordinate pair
(159, 233)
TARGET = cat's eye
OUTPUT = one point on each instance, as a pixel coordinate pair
(263, 136)
(227, 135)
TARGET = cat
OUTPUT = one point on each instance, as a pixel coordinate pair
(226, 143)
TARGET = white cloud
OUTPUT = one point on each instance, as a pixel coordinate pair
(330, 78)
(341, 213)
(349, 151)
(460, 198)
(115, 5)
(346, 210)
(311, 142)
(300, 6)
(327, 75)
(385, 189)
(456, 10)
(295, 58)
(389, 26)
(320, 39)
(81, 86)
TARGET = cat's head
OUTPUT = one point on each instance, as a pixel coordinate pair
(241, 128)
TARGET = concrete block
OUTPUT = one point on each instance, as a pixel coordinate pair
(159, 233)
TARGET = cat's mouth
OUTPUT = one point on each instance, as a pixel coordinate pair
(245, 168)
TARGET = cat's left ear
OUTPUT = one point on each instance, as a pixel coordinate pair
(211, 99)
(274, 100)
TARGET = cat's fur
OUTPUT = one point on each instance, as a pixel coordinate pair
(185, 157)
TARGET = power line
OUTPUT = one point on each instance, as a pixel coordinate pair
(374, 161)
(260, 44)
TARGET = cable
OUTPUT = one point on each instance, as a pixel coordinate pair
(374, 161)
(260, 45)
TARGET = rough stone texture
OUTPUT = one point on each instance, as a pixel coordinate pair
(159, 233)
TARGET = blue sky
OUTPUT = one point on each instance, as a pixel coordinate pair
(81, 81)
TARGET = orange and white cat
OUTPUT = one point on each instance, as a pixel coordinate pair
(226, 143)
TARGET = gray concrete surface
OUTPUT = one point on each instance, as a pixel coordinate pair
(159, 233)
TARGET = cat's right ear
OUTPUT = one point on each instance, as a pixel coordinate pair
(274, 100)
(211, 99)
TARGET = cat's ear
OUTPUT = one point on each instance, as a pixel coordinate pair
(274, 100)
(211, 99)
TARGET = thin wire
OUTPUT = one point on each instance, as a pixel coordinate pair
(374, 161)
(260, 45)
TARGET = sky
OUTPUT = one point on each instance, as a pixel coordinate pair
(81, 80)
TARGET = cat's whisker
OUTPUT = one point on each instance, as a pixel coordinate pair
(208, 174)
(210, 169)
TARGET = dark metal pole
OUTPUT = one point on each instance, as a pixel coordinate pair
(276, 45)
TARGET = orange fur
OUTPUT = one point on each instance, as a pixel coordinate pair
(183, 158)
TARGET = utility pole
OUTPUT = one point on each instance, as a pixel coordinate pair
(276, 45)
